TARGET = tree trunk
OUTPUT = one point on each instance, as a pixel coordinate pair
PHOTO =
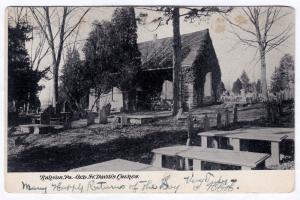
(263, 74)
(176, 61)
(56, 86)
(54, 97)
(125, 101)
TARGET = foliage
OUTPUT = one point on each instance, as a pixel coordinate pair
(74, 88)
(221, 89)
(111, 53)
(23, 81)
(276, 81)
(237, 86)
(283, 76)
(245, 81)
(258, 86)
(127, 54)
(99, 57)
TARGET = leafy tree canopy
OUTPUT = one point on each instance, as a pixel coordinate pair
(237, 86)
(74, 88)
(23, 80)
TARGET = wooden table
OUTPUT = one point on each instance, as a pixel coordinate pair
(272, 135)
(246, 160)
(118, 165)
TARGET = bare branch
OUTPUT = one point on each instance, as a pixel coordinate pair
(67, 34)
(239, 26)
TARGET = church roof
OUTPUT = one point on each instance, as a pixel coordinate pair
(158, 54)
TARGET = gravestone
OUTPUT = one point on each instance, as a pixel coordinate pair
(179, 114)
(47, 114)
(107, 109)
(235, 114)
(75, 116)
(124, 120)
(102, 117)
(243, 94)
(114, 123)
(206, 124)
(90, 118)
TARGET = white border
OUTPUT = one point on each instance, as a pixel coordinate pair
(4, 4)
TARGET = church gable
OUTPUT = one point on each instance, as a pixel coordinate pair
(199, 67)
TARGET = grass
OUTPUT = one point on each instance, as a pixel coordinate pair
(97, 143)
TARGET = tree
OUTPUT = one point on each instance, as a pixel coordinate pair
(286, 70)
(23, 81)
(100, 68)
(261, 35)
(258, 86)
(44, 18)
(174, 14)
(237, 86)
(127, 57)
(276, 82)
(283, 76)
(74, 85)
(221, 88)
(245, 81)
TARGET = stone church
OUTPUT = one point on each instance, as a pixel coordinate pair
(200, 71)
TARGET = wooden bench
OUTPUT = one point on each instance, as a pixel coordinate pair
(118, 165)
(245, 160)
(272, 135)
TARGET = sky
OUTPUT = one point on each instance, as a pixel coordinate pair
(232, 55)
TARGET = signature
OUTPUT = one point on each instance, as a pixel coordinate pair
(211, 182)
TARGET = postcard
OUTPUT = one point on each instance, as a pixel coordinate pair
(150, 99)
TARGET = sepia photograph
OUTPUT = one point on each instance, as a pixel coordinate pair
(164, 88)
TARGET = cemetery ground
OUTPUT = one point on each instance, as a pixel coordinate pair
(96, 143)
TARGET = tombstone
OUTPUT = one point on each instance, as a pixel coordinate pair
(102, 116)
(47, 114)
(219, 120)
(107, 109)
(123, 120)
(206, 124)
(243, 93)
(75, 116)
(114, 123)
(90, 118)
(179, 114)
(235, 114)
(227, 121)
